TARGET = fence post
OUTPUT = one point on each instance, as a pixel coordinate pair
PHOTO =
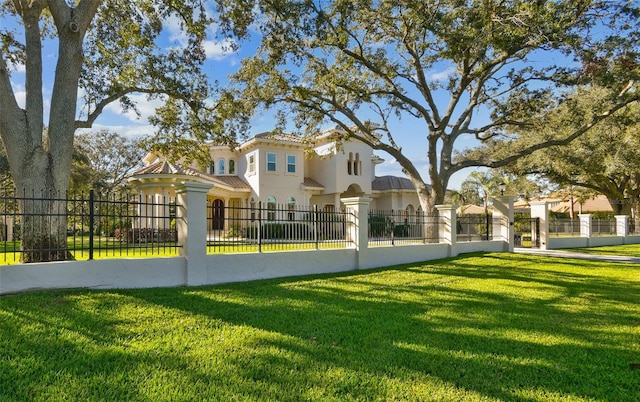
(316, 226)
(503, 210)
(91, 222)
(448, 232)
(585, 225)
(622, 225)
(191, 222)
(540, 210)
(358, 230)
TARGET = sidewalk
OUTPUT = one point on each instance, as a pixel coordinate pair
(577, 255)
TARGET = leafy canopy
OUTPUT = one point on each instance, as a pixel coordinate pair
(466, 70)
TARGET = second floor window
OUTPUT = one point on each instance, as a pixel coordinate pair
(252, 163)
(291, 163)
(232, 166)
(271, 162)
(221, 167)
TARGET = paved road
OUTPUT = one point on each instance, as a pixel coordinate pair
(574, 254)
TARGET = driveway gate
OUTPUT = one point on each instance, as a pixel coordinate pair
(526, 232)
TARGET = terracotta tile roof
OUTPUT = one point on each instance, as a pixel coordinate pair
(233, 182)
(382, 183)
(164, 167)
(280, 137)
(309, 182)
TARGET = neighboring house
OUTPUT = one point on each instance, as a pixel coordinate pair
(286, 170)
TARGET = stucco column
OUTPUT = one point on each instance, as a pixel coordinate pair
(585, 225)
(540, 210)
(191, 223)
(622, 225)
(358, 226)
(448, 230)
(503, 212)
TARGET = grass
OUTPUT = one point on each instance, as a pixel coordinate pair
(483, 327)
(629, 250)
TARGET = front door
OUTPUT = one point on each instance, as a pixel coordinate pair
(217, 214)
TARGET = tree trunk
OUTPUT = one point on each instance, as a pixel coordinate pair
(43, 209)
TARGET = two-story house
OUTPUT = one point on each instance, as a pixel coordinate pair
(280, 169)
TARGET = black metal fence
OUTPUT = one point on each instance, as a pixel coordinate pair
(565, 227)
(476, 227)
(259, 227)
(397, 227)
(39, 226)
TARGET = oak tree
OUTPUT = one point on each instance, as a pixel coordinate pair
(107, 50)
(466, 70)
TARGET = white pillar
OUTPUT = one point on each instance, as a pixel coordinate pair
(191, 223)
(448, 231)
(540, 210)
(503, 212)
(358, 228)
(622, 225)
(585, 225)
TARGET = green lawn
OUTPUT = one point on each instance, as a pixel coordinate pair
(491, 327)
(630, 250)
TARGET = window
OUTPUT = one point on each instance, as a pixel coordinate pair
(271, 162)
(232, 166)
(221, 168)
(350, 164)
(357, 165)
(271, 208)
(291, 163)
(212, 167)
(252, 163)
(253, 209)
(291, 207)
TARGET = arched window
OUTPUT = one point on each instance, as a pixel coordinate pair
(357, 165)
(350, 164)
(221, 168)
(291, 208)
(232, 166)
(212, 167)
(271, 208)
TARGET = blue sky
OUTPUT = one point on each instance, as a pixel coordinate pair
(409, 132)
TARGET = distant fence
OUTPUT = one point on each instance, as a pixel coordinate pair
(115, 225)
(566, 227)
(258, 227)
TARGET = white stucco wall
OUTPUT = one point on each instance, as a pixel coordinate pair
(119, 273)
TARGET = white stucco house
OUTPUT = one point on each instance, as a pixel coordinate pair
(280, 169)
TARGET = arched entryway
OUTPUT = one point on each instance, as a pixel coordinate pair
(217, 214)
(353, 190)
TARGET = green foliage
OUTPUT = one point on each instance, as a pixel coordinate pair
(380, 225)
(443, 63)
(102, 160)
(604, 160)
(280, 231)
(494, 327)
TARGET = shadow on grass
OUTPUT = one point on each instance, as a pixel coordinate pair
(498, 326)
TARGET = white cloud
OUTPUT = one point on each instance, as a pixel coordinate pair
(21, 98)
(146, 108)
(442, 75)
(129, 131)
(218, 50)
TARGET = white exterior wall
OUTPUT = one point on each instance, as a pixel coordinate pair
(252, 178)
(363, 178)
(281, 184)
